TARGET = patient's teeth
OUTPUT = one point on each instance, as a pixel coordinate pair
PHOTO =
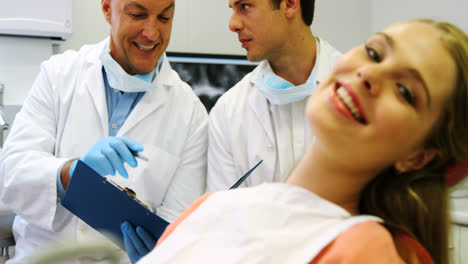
(348, 101)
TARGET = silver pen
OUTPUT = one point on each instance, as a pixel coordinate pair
(137, 154)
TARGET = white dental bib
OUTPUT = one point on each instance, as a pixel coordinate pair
(270, 223)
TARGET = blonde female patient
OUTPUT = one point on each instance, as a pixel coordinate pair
(388, 120)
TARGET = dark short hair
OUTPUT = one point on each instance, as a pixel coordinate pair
(307, 7)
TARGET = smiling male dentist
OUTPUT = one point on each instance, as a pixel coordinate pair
(100, 105)
(262, 117)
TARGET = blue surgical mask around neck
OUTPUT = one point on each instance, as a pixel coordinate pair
(147, 77)
(279, 91)
(121, 80)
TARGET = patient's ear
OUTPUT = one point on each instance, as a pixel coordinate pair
(416, 160)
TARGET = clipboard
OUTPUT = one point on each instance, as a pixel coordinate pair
(104, 206)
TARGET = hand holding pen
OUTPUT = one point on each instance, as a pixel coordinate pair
(109, 154)
(139, 155)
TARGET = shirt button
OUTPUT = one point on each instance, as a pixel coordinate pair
(114, 126)
(270, 148)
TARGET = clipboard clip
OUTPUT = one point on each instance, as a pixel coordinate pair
(130, 193)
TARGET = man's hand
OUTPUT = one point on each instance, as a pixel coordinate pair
(109, 154)
(138, 242)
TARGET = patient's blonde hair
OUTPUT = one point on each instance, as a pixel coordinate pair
(416, 202)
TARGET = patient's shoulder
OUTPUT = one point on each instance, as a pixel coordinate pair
(367, 242)
(194, 206)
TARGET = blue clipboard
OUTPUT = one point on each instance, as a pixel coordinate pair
(104, 206)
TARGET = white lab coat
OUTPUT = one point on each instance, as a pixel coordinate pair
(241, 130)
(65, 114)
(269, 223)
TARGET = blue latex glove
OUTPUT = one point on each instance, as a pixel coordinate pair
(138, 242)
(109, 154)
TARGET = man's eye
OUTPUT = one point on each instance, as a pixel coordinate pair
(138, 15)
(406, 94)
(244, 7)
(164, 18)
(372, 53)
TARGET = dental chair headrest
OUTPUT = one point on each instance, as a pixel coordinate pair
(457, 172)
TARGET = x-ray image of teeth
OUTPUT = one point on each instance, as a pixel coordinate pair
(210, 80)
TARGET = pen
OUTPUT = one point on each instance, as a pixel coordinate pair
(242, 179)
(138, 155)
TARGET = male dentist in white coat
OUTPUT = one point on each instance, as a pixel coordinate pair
(101, 105)
(262, 117)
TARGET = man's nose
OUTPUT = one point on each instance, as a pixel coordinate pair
(151, 30)
(235, 23)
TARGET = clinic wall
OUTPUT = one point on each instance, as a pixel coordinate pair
(20, 59)
(196, 29)
(343, 23)
(384, 13)
(202, 26)
(89, 26)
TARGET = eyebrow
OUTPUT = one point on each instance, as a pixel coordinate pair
(171, 5)
(135, 4)
(413, 72)
(138, 5)
(236, 3)
(418, 76)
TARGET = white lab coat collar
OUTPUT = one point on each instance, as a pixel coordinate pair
(97, 92)
(258, 103)
(166, 70)
(323, 62)
(151, 100)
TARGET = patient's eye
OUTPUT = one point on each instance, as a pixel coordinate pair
(406, 94)
(373, 54)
